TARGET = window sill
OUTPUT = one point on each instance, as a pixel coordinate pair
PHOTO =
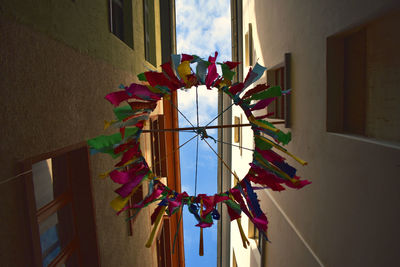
(370, 140)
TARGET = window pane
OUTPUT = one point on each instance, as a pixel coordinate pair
(149, 31)
(117, 19)
(50, 179)
(56, 232)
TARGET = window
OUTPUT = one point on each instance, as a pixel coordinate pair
(238, 132)
(135, 198)
(237, 37)
(158, 164)
(158, 159)
(149, 31)
(121, 21)
(280, 76)
(249, 49)
(164, 246)
(254, 234)
(60, 208)
(277, 77)
(362, 80)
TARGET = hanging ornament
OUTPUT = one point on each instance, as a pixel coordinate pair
(268, 168)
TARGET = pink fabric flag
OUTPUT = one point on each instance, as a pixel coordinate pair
(142, 92)
(262, 103)
(127, 188)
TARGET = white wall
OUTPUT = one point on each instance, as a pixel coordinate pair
(348, 216)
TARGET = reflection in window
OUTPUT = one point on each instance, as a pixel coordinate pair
(56, 232)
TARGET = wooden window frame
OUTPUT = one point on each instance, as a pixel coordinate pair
(85, 241)
(282, 105)
(164, 244)
(158, 146)
(249, 46)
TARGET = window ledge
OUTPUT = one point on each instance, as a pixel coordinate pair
(389, 144)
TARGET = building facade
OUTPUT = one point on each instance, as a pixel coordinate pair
(57, 62)
(341, 61)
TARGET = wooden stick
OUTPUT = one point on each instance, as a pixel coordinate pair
(201, 246)
(156, 223)
(206, 127)
(242, 234)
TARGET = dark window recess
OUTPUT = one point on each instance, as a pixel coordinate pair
(249, 47)
(132, 214)
(117, 16)
(362, 79)
(164, 246)
(158, 153)
(121, 20)
(149, 31)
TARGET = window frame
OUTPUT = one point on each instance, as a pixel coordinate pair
(127, 21)
(158, 146)
(286, 83)
(149, 32)
(81, 178)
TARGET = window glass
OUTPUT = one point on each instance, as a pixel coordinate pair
(121, 20)
(56, 232)
(50, 179)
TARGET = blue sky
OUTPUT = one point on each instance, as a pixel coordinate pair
(202, 27)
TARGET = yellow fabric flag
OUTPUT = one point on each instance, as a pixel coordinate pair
(184, 71)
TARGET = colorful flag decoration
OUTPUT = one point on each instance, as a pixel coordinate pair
(133, 106)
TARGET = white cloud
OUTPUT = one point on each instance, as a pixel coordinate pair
(208, 102)
(203, 27)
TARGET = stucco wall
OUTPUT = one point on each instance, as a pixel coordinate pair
(85, 26)
(52, 96)
(348, 214)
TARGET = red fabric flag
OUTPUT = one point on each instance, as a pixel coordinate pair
(236, 88)
(231, 65)
(258, 88)
(186, 57)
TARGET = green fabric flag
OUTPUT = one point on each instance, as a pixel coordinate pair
(104, 143)
(271, 92)
(142, 77)
(282, 137)
(261, 144)
(232, 204)
(123, 112)
(226, 72)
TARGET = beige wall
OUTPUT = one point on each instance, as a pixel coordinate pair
(84, 25)
(56, 65)
(349, 214)
(383, 72)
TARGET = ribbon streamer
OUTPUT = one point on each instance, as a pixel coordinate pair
(268, 168)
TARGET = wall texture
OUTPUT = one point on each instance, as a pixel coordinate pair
(348, 214)
(57, 62)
